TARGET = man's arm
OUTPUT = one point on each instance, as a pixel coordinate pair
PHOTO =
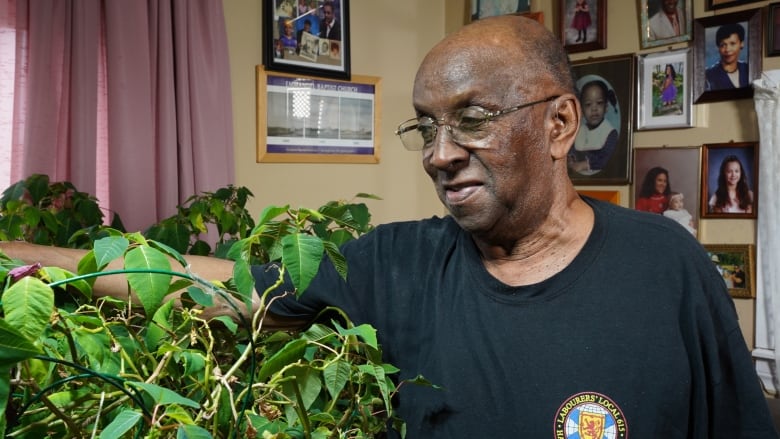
(205, 267)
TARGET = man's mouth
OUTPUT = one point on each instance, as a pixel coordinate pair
(458, 194)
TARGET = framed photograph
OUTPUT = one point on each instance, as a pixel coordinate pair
(667, 183)
(610, 196)
(490, 8)
(718, 4)
(729, 180)
(302, 119)
(773, 30)
(728, 53)
(602, 150)
(583, 25)
(664, 90)
(665, 22)
(307, 37)
(736, 264)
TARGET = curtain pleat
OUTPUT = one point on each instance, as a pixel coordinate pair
(165, 106)
(767, 104)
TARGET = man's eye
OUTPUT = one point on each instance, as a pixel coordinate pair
(427, 131)
(471, 118)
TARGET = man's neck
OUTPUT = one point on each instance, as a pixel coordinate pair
(547, 252)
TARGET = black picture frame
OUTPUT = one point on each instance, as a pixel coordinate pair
(313, 55)
(596, 33)
(773, 30)
(706, 54)
(715, 156)
(618, 72)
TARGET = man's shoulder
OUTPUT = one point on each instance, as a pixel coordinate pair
(627, 222)
(434, 224)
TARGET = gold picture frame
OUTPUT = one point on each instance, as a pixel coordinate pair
(736, 263)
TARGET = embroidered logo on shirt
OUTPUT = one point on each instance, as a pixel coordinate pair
(590, 415)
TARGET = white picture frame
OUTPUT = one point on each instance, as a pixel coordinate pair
(655, 109)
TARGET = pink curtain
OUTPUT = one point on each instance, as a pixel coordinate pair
(129, 100)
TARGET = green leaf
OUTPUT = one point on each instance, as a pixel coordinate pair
(192, 432)
(163, 396)
(302, 254)
(150, 287)
(160, 327)
(172, 233)
(14, 347)
(68, 397)
(364, 331)
(121, 424)
(109, 249)
(28, 305)
(338, 260)
(170, 251)
(179, 284)
(5, 393)
(309, 384)
(263, 425)
(336, 376)
(200, 248)
(200, 297)
(290, 353)
(245, 282)
(319, 333)
(179, 413)
(378, 373)
(87, 264)
(57, 274)
(95, 345)
(228, 322)
(268, 214)
(194, 362)
(368, 196)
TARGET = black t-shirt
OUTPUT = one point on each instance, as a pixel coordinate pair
(636, 337)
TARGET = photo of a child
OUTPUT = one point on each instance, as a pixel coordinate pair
(667, 90)
(679, 213)
(602, 149)
(599, 132)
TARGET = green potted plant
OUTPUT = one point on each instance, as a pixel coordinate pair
(74, 365)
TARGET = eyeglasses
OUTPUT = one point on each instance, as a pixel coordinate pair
(467, 128)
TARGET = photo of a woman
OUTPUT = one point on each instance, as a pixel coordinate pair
(663, 178)
(655, 191)
(733, 195)
(730, 183)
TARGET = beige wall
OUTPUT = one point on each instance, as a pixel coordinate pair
(389, 38)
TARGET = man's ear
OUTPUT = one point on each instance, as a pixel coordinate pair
(563, 125)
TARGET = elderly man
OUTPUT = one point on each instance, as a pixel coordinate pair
(537, 313)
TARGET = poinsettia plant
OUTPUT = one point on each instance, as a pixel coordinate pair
(151, 365)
